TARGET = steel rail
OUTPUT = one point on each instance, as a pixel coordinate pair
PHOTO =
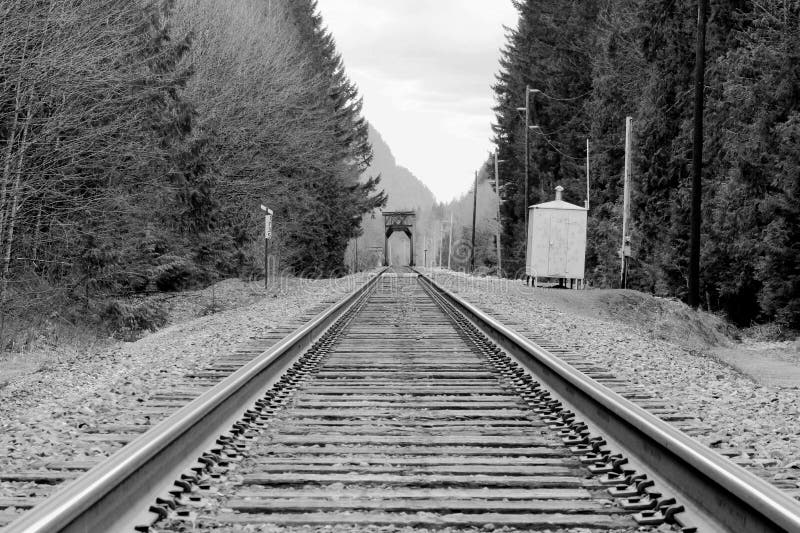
(717, 494)
(116, 495)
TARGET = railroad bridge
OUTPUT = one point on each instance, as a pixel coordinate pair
(398, 221)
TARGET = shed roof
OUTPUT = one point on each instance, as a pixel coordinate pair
(558, 204)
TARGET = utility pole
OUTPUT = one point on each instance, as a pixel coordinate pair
(450, 242)
(439, 232)
(474, 210)
(527, 110)
(435, 244)
(587, 174)
(499, 223)
(528, 127)
(625, 251)
(527, 151)
(697, 157)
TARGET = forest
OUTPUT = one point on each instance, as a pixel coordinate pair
(593, 63)
(140, 138)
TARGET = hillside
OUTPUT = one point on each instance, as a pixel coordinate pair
(404, 189)
(405, 192)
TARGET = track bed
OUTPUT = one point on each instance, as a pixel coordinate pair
(403, 423)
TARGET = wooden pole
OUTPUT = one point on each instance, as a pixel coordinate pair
(626, 199)
(587, 174)
(527, 149)
(474, 211)
(499, 224)
(450, 243)
(439, 233)
(697, 157)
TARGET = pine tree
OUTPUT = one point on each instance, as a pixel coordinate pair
(342, 197)
(755, 219)
(549, 52)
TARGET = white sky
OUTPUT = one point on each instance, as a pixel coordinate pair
(425, 69)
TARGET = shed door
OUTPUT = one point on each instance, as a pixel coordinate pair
(558, 244)
(539, 250)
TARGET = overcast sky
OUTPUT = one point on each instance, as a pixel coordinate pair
(425, 69)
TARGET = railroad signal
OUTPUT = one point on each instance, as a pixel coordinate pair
(267, 236)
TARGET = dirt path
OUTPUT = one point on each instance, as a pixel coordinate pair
(773, 364)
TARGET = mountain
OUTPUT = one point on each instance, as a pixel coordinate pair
(405, 193)
(405, 190)
(432, 229)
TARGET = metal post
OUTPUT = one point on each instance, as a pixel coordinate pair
(626, 199)
(267, 235)
(474, 210)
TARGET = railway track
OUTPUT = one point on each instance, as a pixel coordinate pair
(405, 407)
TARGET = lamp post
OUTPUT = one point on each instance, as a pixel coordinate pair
(528, 127)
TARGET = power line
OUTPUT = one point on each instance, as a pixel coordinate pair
(554, 147)
(584, 95)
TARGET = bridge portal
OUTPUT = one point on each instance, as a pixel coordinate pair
(398, 221)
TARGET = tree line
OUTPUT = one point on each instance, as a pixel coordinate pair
(137, 140)
(592, 63)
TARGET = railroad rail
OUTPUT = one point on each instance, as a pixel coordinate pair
(404, 405)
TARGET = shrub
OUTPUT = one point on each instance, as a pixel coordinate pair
(175, 273)
(128, 320)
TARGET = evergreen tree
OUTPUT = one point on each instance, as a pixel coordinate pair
(341, 197)
(549, 51)
(636, 58)
(754, 227)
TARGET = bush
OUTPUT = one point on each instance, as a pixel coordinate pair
(175, 273)
(128, 320)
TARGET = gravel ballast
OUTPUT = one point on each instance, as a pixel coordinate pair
(55, 414)
(757, 426)
(51, 415)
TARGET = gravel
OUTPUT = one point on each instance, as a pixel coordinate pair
(49, 415)
(44, 416)
(756, 426)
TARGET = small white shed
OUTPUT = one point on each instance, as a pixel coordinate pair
(556, 240)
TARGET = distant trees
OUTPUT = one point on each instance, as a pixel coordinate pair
(595, 63)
